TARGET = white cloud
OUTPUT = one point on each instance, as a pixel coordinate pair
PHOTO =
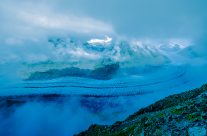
(63, 22)
(26, 25)
(44, 19)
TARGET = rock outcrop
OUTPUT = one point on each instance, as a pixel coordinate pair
(103, 73)
(183, 114)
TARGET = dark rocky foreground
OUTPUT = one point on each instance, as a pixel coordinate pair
(183, 114)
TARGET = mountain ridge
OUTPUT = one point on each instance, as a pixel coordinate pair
(179, 114)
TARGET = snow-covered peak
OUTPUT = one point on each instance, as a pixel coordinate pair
(105, 41)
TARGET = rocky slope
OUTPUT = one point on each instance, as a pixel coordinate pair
(180, 114)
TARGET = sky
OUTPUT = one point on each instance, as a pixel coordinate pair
(137, 18)
(31, 22)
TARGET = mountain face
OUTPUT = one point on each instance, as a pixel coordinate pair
(71, 55)
(68, 54)
(127, 53)
(102, 73)
(180, 114)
